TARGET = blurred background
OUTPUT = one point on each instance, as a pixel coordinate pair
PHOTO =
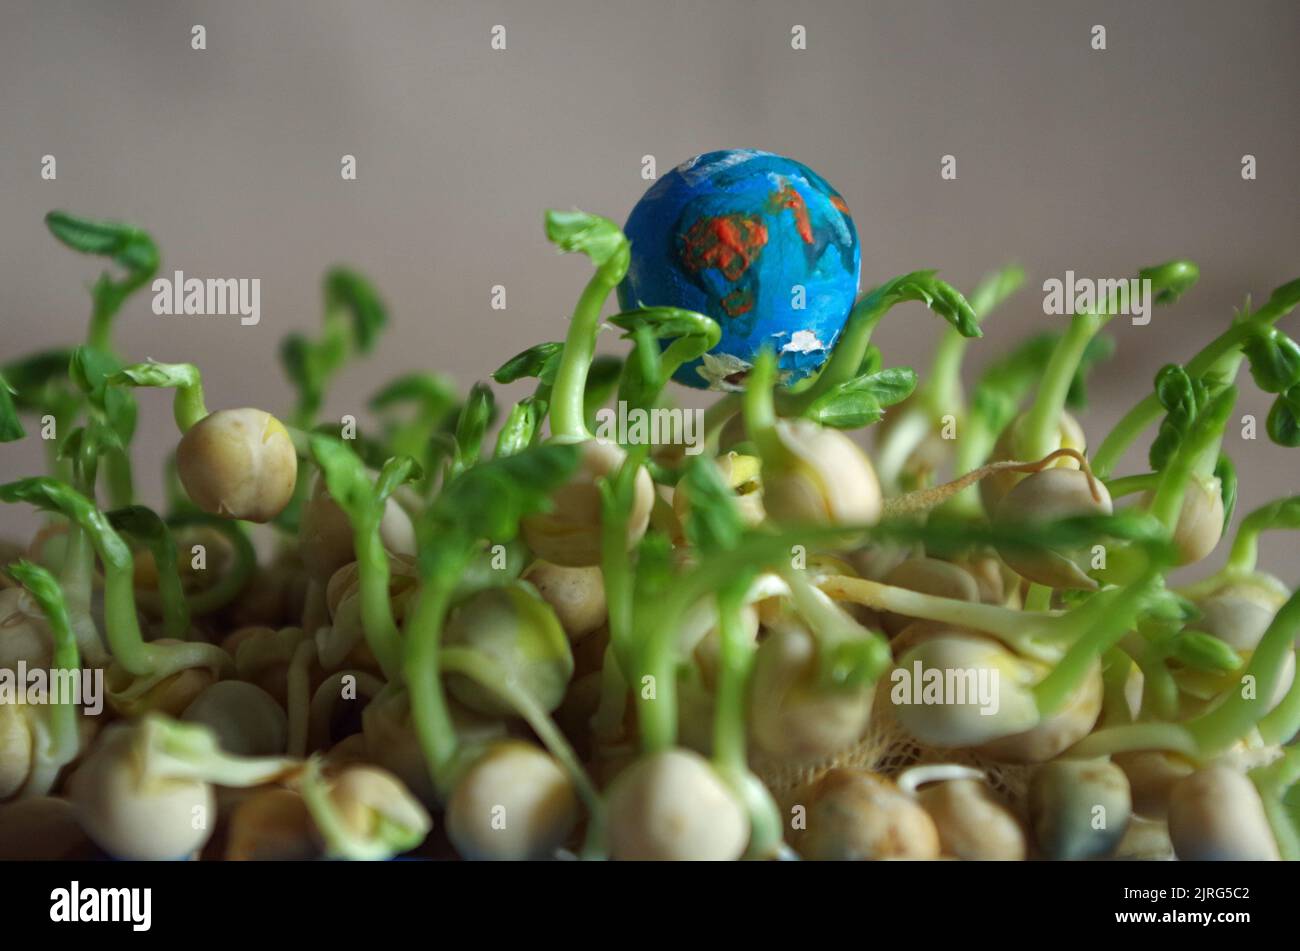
(1067, 158)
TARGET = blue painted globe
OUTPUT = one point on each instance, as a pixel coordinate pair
(763, 245)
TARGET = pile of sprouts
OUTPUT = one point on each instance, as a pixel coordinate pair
(464, 630)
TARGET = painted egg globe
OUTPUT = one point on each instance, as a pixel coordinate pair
(760, 243)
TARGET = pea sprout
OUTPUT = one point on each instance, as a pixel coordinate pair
(941, 395)
(365, 505)
(148, 663)
(641, 653)
(145, 525)
(58, 742)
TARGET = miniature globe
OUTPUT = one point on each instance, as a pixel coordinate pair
(763, 245)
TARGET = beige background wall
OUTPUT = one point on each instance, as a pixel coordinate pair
(1067, 158)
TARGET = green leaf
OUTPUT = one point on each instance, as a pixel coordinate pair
(1175, 391)
(11, 427)
(1171, 280)
(488, 500)
(126, 245)
(164, 375)
(348, 289)
(1283, 423)
(952, 535)
(93, 440)
(861, 401)
(1274, 359)
(373, 453)
(888, 387)
(942, 298)
(475, 416)
(1285, 297)
(344, 473)
(530, 362)
(29, 375)
(521, 426)
(90, 369)
(1182, 397)
(598, 238)
(713, 522)
(669, 322)
(1201, 651)
(51, 495)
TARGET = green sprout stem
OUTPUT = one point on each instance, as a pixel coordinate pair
(850, 656)
(1029, 632)
(845, 359)
(64, 741)
(77, 579)
(1190, 459)
(1108, 615)
(1159, 689)
(736, 658)
(1129, 485)
(729, 755)
(568, 405)
(157, 537)
(1115, 667)
(421, 668)
(1282, 723)
(1273, 782)
(188, 404)
(616, 570)
(376, 603)
(1244, 555)
(760, 411)
(655, 677)
(365, 505)
(1040, 432)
